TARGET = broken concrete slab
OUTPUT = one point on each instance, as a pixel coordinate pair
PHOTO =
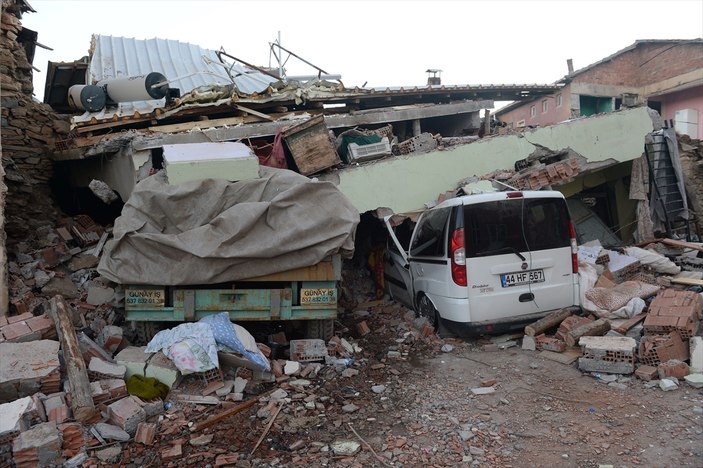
(38, 446)
(101, 369)
(696, 351)
(694, 380)
(99, 295)
(162, 369)
(83, 262)
(62, 286)
(12, 420)
(110, 432)
(26, 368)
(603, 140)
(134, 359)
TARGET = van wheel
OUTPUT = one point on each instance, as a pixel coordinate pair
(321, 329)
(146, 331)
(426, 309)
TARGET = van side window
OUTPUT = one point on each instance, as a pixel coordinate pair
(430, 234)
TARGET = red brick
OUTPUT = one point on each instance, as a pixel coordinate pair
(174, 451)
(363, 328)
(41, 322)
(59, 414)
(646, 372)
(265, 350)
(673, 368)
(18, 318)
(488, 382)
(16, 330)
(145, 433)
(549, 343)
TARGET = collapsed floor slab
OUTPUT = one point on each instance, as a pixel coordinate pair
(27, 368)
(406, 183)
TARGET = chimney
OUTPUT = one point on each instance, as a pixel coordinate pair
(570, 65)
(434, 77)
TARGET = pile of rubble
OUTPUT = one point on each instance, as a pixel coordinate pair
(641, 314)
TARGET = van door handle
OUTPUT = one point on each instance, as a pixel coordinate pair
(527, 297)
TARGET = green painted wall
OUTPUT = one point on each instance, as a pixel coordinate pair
(407, 183)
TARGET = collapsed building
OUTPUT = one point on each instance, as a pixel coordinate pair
(201, 113)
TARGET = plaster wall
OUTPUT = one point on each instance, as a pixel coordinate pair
(406, 183)
(691, 98)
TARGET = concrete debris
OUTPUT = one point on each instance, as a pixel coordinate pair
(345, 448)
(694, 380)
(103, 191)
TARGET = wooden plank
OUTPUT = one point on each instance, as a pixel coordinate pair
(187, 126)
(545, 323)
(226, 414)
(687, 281)
(598, 328)
(81, 395)
(253, 112)
(625, 326)
(681, 244)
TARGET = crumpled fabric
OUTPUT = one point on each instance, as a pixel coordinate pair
(231, 337)
(191, 347)
(654, 260)
(621, 301)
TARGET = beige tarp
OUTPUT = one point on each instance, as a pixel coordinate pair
(214, 231)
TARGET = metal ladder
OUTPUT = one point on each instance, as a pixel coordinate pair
(665, 184)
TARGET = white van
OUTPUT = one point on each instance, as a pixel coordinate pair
(486, 263)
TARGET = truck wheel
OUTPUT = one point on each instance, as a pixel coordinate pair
(146, 331)
(320, 329)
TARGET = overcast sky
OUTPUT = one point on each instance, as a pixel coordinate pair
(381, 43)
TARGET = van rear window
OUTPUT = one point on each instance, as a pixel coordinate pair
(520, 224)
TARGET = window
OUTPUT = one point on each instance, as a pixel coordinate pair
(521, 123)
(533, 111)
(519, 224)
(559, 100)
(545, 106)
(430, 234)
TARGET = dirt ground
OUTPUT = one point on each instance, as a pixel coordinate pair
(542, 413)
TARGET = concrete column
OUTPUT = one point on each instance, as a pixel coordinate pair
(416, 127)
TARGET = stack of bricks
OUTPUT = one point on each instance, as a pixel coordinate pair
(655, 349)
(73, 439)
(26, 327)
(422, 143)
(540, 176)
(674, 311)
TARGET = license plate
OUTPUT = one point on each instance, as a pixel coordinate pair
(522, 277)
(149, 298)
(314, 296)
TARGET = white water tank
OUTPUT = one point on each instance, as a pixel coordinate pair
(135, 88)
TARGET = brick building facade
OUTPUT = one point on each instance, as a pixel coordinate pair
(667, 75)
(28, 130)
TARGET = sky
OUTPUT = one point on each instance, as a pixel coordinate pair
(380, 42)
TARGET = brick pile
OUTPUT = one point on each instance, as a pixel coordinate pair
(544, 175)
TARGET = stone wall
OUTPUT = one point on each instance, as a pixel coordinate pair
(29, 130)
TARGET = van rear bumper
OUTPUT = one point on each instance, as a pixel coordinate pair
(497, 326)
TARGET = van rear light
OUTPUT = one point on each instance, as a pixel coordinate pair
(574, 248)
(514, 194)
(458, 257)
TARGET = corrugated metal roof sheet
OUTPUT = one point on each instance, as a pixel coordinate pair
(187, 66)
